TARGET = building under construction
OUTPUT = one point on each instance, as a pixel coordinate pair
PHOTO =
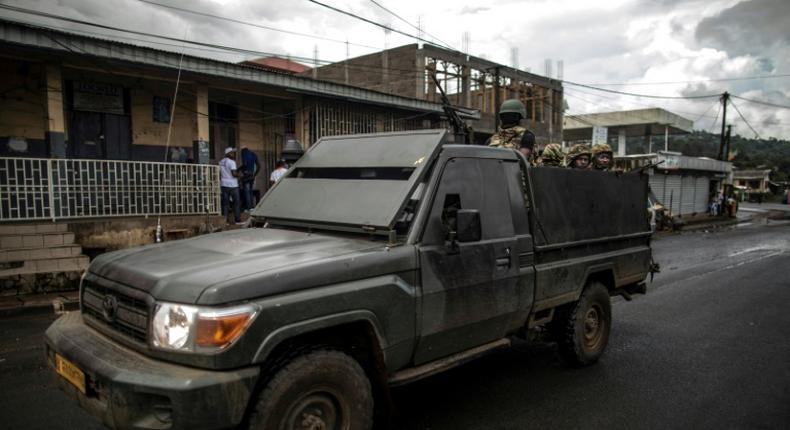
(469, 82)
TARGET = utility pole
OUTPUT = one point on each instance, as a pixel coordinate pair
(727, 143)
(725, 98)
(497, 102)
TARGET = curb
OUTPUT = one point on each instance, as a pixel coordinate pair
(39, 304)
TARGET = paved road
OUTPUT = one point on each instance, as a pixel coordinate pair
(707, 348)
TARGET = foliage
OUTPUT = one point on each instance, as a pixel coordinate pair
(746, 153)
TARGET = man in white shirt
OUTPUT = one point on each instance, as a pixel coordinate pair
(278, 172)
(229, 183)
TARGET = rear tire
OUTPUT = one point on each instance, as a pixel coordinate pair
(582, 330)
(321, 390)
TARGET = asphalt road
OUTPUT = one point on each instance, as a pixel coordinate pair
(708, 347)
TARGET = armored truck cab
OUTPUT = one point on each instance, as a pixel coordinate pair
(376, 261)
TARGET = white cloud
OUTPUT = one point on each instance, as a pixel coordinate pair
(623, 41)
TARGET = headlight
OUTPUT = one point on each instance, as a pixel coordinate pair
(199, 329)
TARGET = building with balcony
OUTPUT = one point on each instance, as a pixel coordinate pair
(93, 134)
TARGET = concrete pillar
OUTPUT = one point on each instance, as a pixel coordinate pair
(419, 81)
(666, 138)
(302, 127)
(385, 71)
(202, 141)
(466, 85)
(621, 142)
(55, 135)
(431, 96)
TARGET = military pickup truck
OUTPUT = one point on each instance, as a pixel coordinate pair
(379, 259)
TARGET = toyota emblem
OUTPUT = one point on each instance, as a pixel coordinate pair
(110, 308)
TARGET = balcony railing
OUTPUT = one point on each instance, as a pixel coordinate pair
(38, 189)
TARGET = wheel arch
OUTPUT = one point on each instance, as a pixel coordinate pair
(357, 333)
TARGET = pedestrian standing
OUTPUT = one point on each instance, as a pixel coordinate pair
(229, 174)
(278, 172)
(250, 168)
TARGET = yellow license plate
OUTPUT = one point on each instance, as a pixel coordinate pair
(71, 372)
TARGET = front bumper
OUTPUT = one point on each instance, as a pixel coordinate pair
(128, 390)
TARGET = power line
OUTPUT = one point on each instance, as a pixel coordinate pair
(211, 47)
(708, 110)
(377, 24)
(409, 23)
(141, 33)
(251, 24)
(757, 135)
(650, 96)
(762, 102)
(716, 118)
(631, 102)
(745, 78)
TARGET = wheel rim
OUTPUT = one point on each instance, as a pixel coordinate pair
(594, 327)
(318, 410)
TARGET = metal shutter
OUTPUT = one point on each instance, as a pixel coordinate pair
(701, 197)
(657, 186)
(688, 185)
(672, 193)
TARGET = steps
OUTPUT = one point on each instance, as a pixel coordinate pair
(38, 258)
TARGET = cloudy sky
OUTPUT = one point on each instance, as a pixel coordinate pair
(660, 47)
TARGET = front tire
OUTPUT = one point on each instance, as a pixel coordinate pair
(582, 331)
(321, 390)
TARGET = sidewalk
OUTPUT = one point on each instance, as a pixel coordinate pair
(706, 222)
(29, 303)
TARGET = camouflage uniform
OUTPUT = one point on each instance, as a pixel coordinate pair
(599, 148)
(508, 137)
(552, 155)
(577, 151)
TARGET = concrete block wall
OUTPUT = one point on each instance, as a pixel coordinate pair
(37, 258)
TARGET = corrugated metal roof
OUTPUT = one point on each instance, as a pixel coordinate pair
(38, 37)
(278, 63)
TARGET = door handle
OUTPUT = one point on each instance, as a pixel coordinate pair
(503, 262)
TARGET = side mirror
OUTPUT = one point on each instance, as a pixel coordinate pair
(468, 225)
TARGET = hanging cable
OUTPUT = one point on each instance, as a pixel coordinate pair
(410, 24)
(650, 96)
(757, 135)
(717, 116)
(377, 24)
(251, 24)
(762, 102)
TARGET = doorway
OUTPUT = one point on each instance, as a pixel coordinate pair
(95, 135)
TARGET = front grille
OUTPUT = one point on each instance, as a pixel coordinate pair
(120, 312)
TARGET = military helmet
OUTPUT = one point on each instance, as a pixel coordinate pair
(601, 147)
(513, 106)
(578, 150)
(552, 155)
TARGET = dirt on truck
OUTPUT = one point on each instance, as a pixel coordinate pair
(378, 260)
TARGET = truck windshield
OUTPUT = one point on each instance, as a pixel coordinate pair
(357, 183)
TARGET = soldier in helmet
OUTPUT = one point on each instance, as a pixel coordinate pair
(602, 157)
(511, 134)
(552, 155)
(579, 156)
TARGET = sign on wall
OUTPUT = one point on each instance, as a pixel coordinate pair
(98, 97)
(600, 134)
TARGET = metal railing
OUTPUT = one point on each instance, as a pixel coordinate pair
(35, 188)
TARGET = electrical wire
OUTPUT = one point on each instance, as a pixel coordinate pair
(377, 24)
(251, 24)
(651, 96)
(713, 124)
(757, 135)
(632, 102)
(761, 102)
(410, 24)
(744, 78)
(708, 110)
